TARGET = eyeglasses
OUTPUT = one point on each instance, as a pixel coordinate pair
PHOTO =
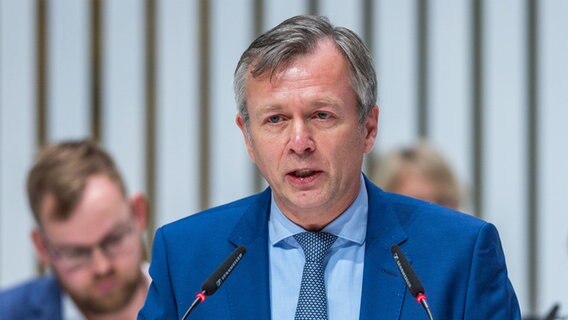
(72, 257)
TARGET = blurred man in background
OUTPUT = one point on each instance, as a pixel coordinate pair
(88, 234)
(419, 171)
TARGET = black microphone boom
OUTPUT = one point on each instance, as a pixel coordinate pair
(214, 281)
(411, 279)
(211, 284)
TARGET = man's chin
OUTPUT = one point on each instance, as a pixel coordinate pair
(309, 200)
(106, 302)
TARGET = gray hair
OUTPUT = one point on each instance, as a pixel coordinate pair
(275, 49)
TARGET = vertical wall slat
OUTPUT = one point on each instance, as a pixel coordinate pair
(368, 36)
(477, 105)
(504, 154)
(41, 32)
(123, 89)
(231, 174)
(313, 7)
(96, 50)
(258, 28)
(68, 71)
(41, 87)
(549, 172)
(178, 110)
(450, 84)
(422, 66)
(532, 156)
(368, 32)
(150, 130)
(204, 90)
(395, 63)
(258, 8)
(17, 137)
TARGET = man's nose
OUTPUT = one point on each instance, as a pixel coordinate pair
(100, 262)
(301, 139)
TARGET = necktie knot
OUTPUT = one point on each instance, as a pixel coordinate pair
(315, 244)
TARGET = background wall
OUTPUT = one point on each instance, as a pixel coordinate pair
(152, 80)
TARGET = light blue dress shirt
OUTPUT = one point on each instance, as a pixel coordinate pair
(344, 270)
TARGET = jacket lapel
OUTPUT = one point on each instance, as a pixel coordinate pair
(383, 289)
(249, 295)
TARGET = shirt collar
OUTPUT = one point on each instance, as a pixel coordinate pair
(351, 225)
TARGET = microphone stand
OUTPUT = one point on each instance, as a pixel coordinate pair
(426, 307)
(200, 297)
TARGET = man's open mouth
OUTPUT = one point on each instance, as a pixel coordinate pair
(303, 173)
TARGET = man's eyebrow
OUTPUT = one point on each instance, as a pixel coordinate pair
(314, 104)
(326, 102)
(270, 107)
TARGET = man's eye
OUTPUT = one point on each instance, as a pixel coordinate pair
(274, 119)
(112, 240)
(75, 253)
(322, 115)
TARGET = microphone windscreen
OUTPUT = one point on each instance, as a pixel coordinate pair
(211, 284)
(410, 277)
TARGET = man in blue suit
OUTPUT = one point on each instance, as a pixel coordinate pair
(89, 234)
(318, 239)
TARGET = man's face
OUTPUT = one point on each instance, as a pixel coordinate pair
(305, 137)
(96, 253)
(415, 184)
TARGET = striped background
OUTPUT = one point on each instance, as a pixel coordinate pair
(152, 80)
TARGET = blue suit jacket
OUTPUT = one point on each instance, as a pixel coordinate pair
(38, 299)
(458, 258)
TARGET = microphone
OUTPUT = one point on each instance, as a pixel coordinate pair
(214, 281)
(411, 279)
(553, 314)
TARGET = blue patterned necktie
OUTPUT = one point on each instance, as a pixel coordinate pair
(312, 302)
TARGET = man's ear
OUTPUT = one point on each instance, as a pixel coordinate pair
(139, 205)
(246, 135)
(40, 247)
(371, 129)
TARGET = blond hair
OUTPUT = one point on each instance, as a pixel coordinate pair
(427, 161)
